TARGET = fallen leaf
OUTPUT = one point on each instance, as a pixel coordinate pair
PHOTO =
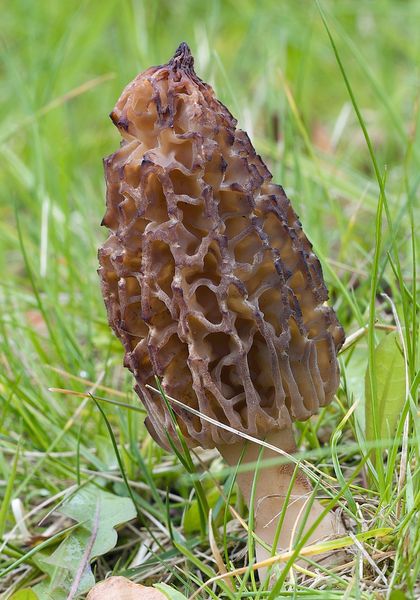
(120, 588)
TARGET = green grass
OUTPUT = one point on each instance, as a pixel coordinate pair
(332, 105)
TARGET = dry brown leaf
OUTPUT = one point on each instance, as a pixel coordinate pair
(120, 588)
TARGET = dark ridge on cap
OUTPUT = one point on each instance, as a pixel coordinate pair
(182, 59)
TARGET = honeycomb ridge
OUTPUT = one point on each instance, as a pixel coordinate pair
(208, 278)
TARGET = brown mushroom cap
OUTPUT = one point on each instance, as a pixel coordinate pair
(208, 279)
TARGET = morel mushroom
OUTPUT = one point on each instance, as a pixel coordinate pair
(211, 284)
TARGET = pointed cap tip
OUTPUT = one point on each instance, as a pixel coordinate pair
(182, 58)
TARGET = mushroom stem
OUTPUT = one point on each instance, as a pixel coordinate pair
(272, 484)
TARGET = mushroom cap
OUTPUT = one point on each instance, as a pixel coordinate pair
(208, 278)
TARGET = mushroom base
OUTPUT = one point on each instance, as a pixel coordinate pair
(272, 486)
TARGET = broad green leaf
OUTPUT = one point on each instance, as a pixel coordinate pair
(112, 510)
(169, 592)
(26, 594)
(62, 566)
(397, 595)
(191, 520)
(390, 386)
(98, 512)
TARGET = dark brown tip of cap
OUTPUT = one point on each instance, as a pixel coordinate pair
(182, 59)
